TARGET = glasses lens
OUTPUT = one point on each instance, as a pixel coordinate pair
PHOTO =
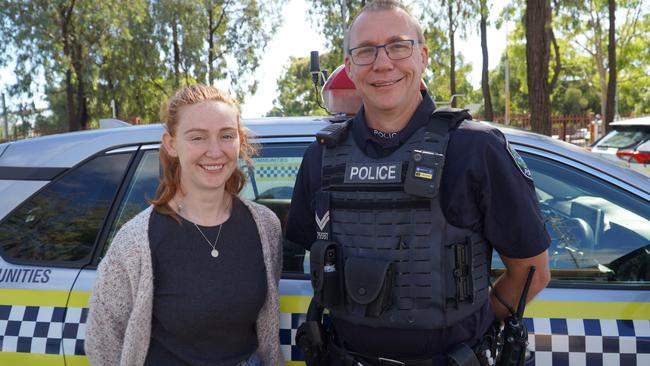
(400, 49)
(364, 55)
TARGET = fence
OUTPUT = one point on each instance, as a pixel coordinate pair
(570, 128)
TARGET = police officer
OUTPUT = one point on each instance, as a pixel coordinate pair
(402, 207)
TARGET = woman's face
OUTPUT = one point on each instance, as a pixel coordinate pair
(207, 145)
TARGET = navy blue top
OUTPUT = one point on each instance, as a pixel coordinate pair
(205, 309)
(482, 189)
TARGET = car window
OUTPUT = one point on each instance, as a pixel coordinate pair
(141, 186)
(270, 182)
(599, 232)
(61, 222)
(623, 138)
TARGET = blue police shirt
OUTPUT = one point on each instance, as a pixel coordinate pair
(482, 189)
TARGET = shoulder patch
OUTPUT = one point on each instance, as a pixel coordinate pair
(519, 161)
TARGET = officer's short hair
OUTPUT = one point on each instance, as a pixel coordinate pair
(382, 5)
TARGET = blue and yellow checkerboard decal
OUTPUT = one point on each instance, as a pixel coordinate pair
(52, 330)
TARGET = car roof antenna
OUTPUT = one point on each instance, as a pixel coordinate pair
(318, 76)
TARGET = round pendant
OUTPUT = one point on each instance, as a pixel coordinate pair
(215, 253)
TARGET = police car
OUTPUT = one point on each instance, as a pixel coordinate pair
(65, 196)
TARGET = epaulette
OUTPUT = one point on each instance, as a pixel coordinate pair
(454, 116)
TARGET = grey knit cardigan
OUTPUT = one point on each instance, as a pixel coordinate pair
(119, 321)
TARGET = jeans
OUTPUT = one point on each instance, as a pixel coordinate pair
(253, 360)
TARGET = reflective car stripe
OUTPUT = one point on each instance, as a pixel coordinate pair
(586, 309)
(44, 297)
(31, 359)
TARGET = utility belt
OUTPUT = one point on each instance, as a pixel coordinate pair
(461, 355)
(320, 348)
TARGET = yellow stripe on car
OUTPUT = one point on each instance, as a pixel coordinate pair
(588, 310)
(31, 359)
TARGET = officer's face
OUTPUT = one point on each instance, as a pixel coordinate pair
(387, 86)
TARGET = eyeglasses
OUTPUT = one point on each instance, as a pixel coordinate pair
(366, 55)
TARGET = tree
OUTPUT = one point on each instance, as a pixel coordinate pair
(297, 94)
(455, 18)
(131, 73)
(333, 17)
(131, 53)
(52, 34)
(611, 63)
(538, 23)
(198, 37)
(485, 77)
(583, 23)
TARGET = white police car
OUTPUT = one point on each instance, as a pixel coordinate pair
(63, 197)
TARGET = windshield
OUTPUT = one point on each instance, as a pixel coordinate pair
(622, 138)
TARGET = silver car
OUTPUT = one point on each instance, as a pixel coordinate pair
(63, 197)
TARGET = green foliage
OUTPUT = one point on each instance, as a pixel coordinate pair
(132, 52)
(576, 38)
(327, 15)
(297, 94)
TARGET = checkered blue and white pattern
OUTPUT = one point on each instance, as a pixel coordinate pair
(558, 342)
(276, 171)
(591, 342)
(42, 329)
(289, 324)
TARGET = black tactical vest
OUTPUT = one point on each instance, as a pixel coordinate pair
(386, 258)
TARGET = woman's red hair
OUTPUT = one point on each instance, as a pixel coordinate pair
(170, 182)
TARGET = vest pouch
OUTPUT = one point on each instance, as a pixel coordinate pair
(325, 271)
(368, 284)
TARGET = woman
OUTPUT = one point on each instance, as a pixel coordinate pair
(193, 279)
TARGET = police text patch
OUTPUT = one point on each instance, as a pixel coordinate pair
(373, 172)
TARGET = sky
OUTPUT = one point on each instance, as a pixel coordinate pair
(297, 37)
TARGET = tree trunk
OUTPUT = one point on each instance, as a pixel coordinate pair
(210, 45)
(66, 13)
(177, 53)
(452, 54)
(485, 81)
(611, 61)
(599, 60)
(538, 16)
(82, 107)
(73, 123)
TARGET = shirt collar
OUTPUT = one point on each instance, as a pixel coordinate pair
(373, 146)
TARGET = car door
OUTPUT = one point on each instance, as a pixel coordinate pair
(596, 310)
(139, 184)
(44, 243)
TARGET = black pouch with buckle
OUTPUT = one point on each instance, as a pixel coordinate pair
(326, 277)
(368, 284)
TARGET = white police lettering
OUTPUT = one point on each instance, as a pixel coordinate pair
(373, 172)
(384, 135)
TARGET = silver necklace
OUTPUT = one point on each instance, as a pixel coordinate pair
(214, 252)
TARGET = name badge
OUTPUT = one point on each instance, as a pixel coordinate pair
(373, 172)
